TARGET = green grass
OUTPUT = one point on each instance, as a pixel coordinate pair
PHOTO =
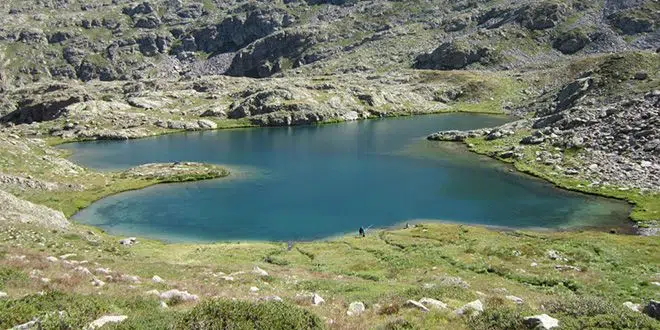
(450, 263)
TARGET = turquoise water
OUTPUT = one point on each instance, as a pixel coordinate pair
(305, 183)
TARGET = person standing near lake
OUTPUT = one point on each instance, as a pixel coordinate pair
(361, 232)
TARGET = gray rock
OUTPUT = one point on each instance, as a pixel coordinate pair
(432, 303)
(454, 55)
(180, 295)
(474, 308)
(573, 92)
(207, 124)
(416, 304)
(15, 210)
(515, 299)
(355, 308)
(652, 309)
(571, 42)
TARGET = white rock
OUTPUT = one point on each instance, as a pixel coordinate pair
(3, 295)
(128, 241)
(67, 256)
(515, 299)
(130, 278)
(183, 295)
(655, 283)
(631, 306)
(45, 280)
(103, 271)
(163, 304)
(51, 259)
(476, 307)
(317, 300)
(105, 320)
(542, 321)
(157, 279)
(271, 298)
(416, 304)
(207, 124)
(152, 292)
(259, 271)
(355, 308)
(227, 278)
(26, 326)
(83, 270)
(433, 303)
(254, 289)
(533, 264)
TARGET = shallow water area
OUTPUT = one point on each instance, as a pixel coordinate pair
(303, 183)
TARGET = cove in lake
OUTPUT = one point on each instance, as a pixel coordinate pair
(303, 183)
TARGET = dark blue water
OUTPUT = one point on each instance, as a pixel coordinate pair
(314, 182)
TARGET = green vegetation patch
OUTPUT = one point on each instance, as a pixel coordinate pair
(224, 314)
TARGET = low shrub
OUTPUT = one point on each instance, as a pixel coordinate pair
(225, 314)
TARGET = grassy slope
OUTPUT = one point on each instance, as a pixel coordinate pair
(387, 267)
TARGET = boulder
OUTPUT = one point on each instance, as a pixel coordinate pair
(541, 16)
(542, 321)
(571, 42)
(3, 295)
(207, 124)
(157, 279)
(214, 113)
(474, 308)
(433, 303)
(652, 309)
(100, 322)
(572, 92)
(180, 295)
(454, 55)
(416, 304)
(530, 140)
(128, 241)
(514, 299)
(13, 209)
(355, 308)
(317, 300)
(258, 271)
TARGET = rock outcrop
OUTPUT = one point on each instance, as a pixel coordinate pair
(455, 55)
(13, 209)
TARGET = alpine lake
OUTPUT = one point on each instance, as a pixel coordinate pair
(311, 182)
